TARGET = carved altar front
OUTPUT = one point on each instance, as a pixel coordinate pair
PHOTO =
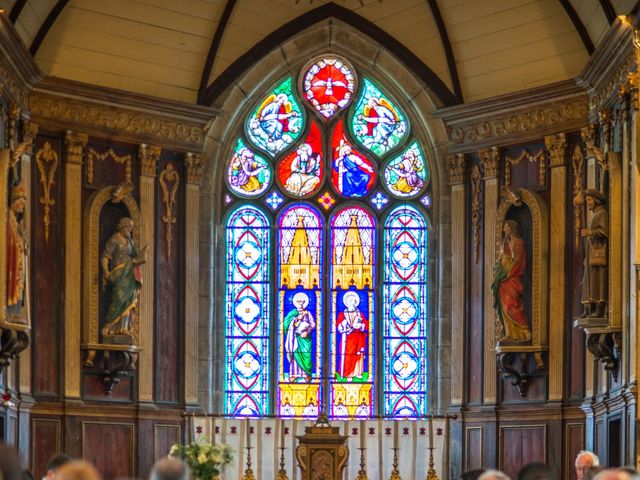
(322, 453)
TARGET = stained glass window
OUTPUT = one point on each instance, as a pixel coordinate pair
(300, 311)
(405, 312)
(326, 252)
(247, 312)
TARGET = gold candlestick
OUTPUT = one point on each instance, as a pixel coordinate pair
(248, 473)
(395, 473)
(362, 473)
(431, 473)
(282, 473)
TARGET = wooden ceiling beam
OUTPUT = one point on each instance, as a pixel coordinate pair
(608, 10)
(448, 50)
(215, 45)
(16, 10)
(578, 25)
(295, 26)
(46, 26)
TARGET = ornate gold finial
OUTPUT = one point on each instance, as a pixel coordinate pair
(47, 163)
(169, 181)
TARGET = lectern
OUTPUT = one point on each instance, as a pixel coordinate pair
(322, 453)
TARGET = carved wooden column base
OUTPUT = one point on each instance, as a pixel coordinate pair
(513, 364)
(12, 342)
(111, 362)
(605, 344)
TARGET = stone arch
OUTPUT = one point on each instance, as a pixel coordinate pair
(371, 59)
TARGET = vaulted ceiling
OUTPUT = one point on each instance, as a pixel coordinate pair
(176, 49)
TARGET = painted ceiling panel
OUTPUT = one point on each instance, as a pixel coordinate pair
(623, 7)
(494, 46)
(159, 47)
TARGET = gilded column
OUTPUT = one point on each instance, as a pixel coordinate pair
(458, 255)
(557, 148)
(74, 143)
(490, 158)
(149, 156)
(193, 163)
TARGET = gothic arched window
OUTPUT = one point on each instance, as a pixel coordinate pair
(326, 241)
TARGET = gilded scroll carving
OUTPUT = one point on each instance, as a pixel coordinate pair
(556, 115)
(577, 163)
(476, 182)
(455, 164)
(490, 158)
(612, 86)
(94, 155)
(193, 163)
(169, 181)
(116, 119)
(47, 163)
(510, 162)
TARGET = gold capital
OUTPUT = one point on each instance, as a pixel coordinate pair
(490, 158)
(456, 168)
(75, 143)
(557, 148)
(149, 155)
(193, 162)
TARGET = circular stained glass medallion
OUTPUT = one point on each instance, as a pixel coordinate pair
(248, 174)
(328, 85)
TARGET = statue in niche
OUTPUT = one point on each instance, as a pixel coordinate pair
(16, 249)
(508, 288)
(594, 276)
(121, 277)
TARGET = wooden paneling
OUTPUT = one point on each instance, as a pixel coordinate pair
(473, 446)
(164, 436)
(102, 169)
(46, 271)
(573, 443)
(45, 442)
(110, 446)
(521, 444)
(168, 308)
(93, 388)
(600, 438)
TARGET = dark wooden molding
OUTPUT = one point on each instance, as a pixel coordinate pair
(579, 26)
(16, 10)
(271, 41)
(608, 10)
(215, 45)
(448, 50)
(46, 26)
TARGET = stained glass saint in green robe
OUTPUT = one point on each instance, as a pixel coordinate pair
(299, 325)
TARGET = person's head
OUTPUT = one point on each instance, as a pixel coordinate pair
(281, 98)
(593, 197)
(493, 475)
(471, 474)
(611, 474)
(304, 150)
(584, 460)
(535, 471)
(55, 463)
(591, 472)
(628, 473)
(300, 300)
(125, 226)
(18, 197)
(511, 228)
(170, 469)
(77, 470)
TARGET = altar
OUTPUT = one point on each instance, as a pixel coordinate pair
(411, 438)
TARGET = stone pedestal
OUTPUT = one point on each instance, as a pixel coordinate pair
(322, 453)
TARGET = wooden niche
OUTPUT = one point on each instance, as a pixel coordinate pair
(108, 355)
(519, 286)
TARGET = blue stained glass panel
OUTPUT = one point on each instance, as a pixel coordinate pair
(405, 308)
(247, 313)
